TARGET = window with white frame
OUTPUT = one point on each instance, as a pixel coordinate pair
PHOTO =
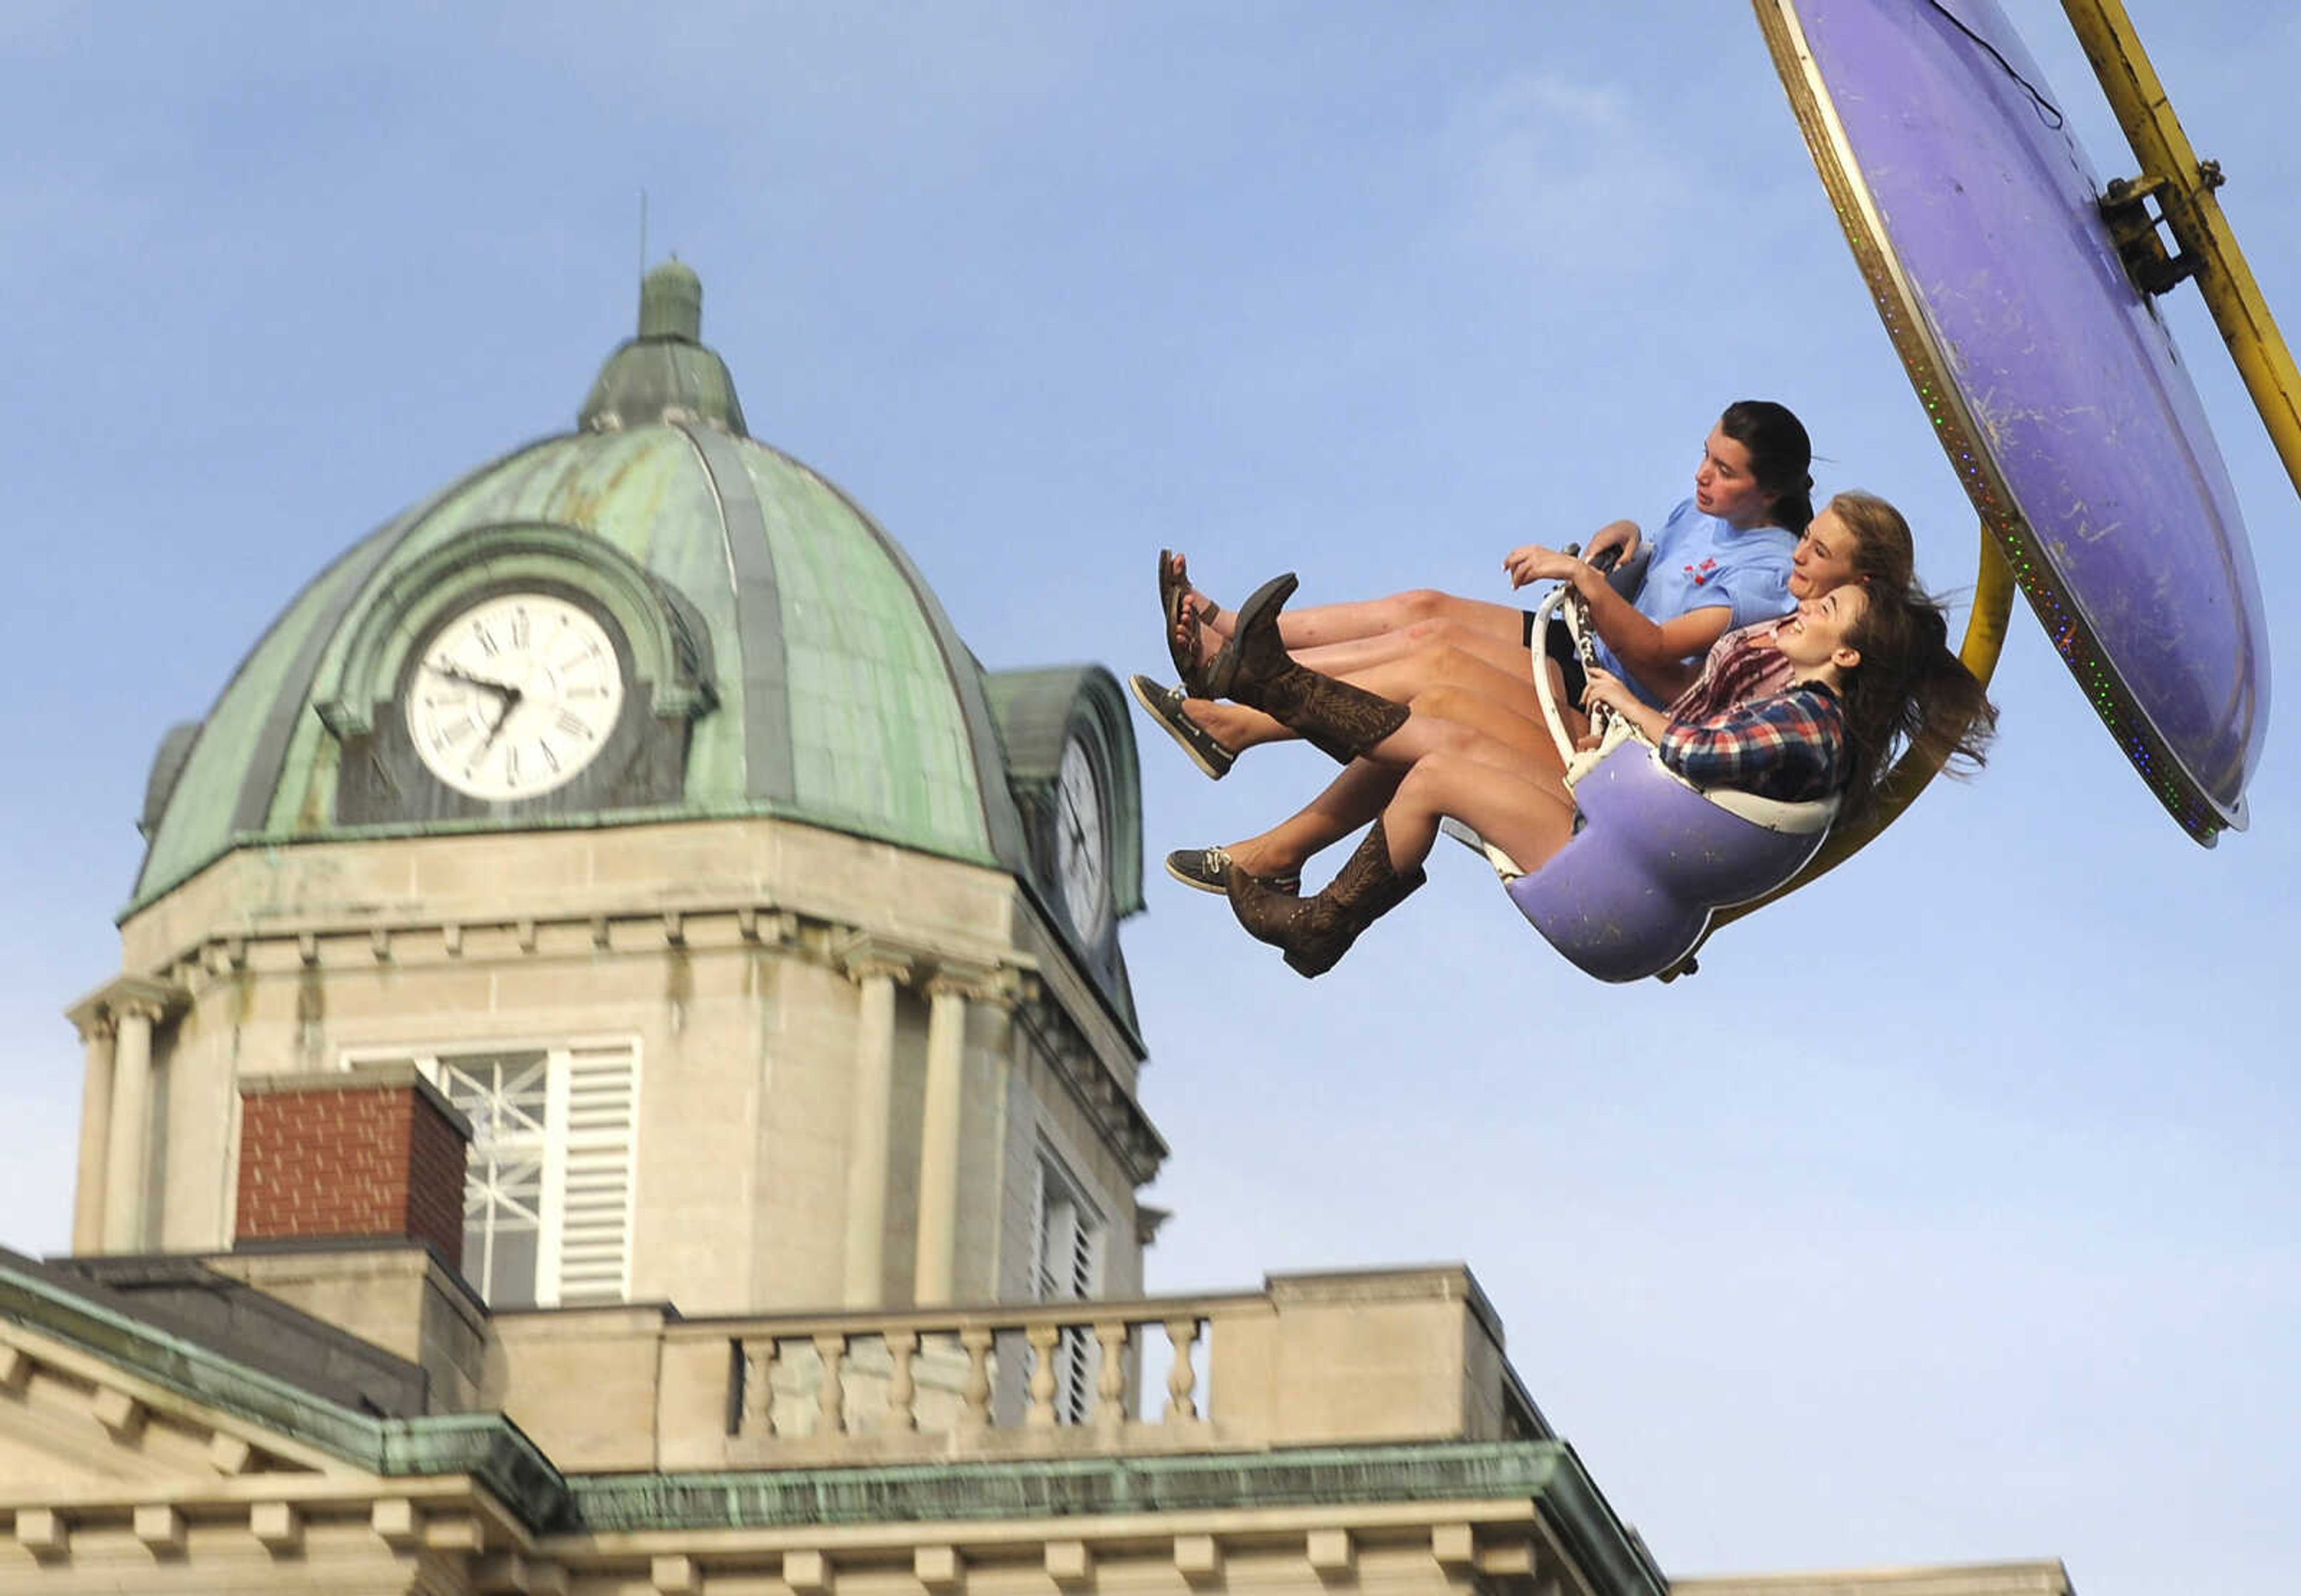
(548, 1189)
(1067, 1258)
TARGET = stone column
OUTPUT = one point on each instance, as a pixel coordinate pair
(127, 1150)
(876, 970)
(951, 994)
(95, 1034)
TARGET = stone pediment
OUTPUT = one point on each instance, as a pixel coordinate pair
(74, 1428)
(112, 1482)
(135, 1457)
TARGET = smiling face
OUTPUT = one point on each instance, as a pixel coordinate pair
(1724, 485)
(1824, 557)
(1813, 638)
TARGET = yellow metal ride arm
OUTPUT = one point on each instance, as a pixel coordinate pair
(2185, 188)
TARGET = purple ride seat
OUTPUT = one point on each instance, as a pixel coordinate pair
(1633, 891)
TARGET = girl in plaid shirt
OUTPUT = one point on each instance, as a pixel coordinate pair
(1789, 743)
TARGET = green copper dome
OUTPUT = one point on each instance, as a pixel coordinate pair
(792, 661)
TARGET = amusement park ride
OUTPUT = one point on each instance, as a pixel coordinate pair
(2019, 293)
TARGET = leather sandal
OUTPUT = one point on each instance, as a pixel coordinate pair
(1253, 653)
(1181, 621)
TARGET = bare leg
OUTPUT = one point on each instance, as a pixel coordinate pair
(1453, 769)
(1507, 705)
(1501, 704)
(1526, 818)
(1320, 625)
(1506, 651)
(1351, 800)
(1445, 719)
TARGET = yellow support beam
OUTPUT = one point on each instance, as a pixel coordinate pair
(2194, 216)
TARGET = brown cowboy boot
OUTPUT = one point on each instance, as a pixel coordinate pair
(1339, 721)
(1315, 933)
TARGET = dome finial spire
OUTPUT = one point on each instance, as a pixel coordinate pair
(671, 303)
(666, 373)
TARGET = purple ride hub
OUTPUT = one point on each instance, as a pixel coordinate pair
(2055, 387)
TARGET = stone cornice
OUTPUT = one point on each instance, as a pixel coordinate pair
(1008, 980)
(415, 942)
(1398, 1484)
(1090, 1083)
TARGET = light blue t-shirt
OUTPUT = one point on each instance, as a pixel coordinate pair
(1702, 563)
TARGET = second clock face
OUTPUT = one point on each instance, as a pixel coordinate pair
(514, 696)
(1082, 852)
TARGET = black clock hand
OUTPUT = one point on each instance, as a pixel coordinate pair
(1072, 818)
(511, 698)
(502, 690)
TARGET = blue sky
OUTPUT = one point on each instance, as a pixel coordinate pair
(1948, 1214)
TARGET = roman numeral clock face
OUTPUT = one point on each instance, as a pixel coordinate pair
(514, 697)
(1082, 846)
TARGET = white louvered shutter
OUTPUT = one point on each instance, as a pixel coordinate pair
(1067, 1263)
(592, 1249)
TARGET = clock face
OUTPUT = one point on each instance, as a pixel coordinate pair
(514, 696)
(1081, 861)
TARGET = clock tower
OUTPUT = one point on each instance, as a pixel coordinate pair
(634, 796)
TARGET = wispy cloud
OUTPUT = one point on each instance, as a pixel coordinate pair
(1564, 174)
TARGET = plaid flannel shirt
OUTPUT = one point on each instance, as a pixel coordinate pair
(1742, 665)
(1789, 745)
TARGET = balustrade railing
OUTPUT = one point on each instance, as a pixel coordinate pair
(1341, 1357)
(1065, 1371)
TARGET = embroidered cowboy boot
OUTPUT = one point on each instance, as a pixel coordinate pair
(1339, 721)
(1315, 933)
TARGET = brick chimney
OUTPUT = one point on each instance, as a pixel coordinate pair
(372, 1152)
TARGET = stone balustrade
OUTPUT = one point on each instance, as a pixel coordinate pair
(1387, 1355)
(1328, 1359)
(1072, 1367)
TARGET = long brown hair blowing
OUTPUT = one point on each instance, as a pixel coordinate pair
(1909, 691)
(1884, 554)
